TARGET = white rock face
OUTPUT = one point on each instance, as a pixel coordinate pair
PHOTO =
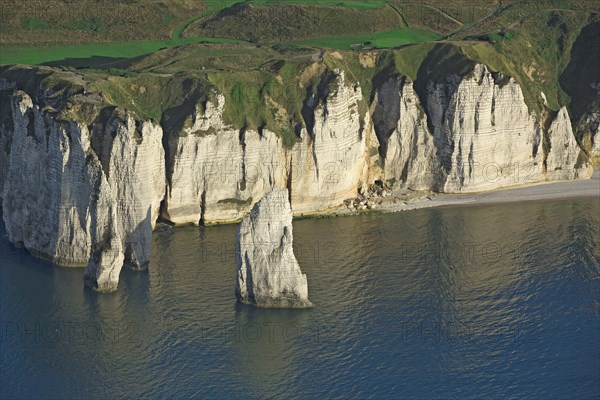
(268, 273)
(486, 137)
(47, 209)
(106, 254)
(218, 171)
(562, 161)
(591, 127)
(593, 121)
(484, 133)
(205, 165)
(80, 206)
(410, 150)
(596, 144)
(133, 159)
(328, 165)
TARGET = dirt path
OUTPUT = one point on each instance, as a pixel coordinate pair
(401, 18)
(444, 13)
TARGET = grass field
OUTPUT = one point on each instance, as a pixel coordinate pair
(278, 22)
(68, 22)
(336, 24)
(380, 40)
(94, 54)
(514, 36)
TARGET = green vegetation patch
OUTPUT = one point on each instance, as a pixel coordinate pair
(408, 60)
(95, 54)
(260, 100)
(380, 40)
(148, 96)
(236, 202)
(34, 23)
(88, 24)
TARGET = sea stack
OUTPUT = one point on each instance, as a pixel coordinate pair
(268, 274)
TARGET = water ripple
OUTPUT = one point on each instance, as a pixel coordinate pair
(494, 301)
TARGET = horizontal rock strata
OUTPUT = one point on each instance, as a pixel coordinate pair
(89, 193)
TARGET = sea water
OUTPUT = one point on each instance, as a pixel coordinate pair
(497, 301)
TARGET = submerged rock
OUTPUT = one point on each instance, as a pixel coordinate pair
(269, 275)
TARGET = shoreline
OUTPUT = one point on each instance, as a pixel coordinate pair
(561, 190)
(543, 191)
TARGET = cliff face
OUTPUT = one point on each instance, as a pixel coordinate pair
(408, 146)
(596, 146)
(486, 137)
(483, 131)
(562, 153)
(89, 193)
(78, 197)
(329, 163)
(47, 189)
(218, 171)
(588, 129)
(482, 136)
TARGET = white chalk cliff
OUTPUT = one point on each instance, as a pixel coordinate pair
(486, 137)
(401, 126)
(268, 274)
(90, 193)
(80, 203)
(218, 170)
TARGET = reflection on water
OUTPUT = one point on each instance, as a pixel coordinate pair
(490, 301)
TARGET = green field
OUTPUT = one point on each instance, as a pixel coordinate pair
(95, 54)
(103, 54)
(380, 40)
(99, 54)
(103, 40)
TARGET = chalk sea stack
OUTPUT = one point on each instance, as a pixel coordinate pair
(269, 275)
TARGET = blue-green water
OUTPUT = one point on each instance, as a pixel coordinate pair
(495, 301)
